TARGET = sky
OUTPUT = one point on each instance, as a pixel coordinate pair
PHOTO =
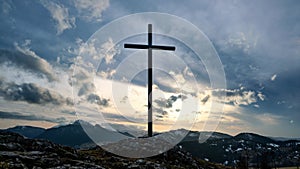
(45, 79)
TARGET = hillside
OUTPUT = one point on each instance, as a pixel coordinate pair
(17, 151)
(218, 148)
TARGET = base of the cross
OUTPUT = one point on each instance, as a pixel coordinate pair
(150, 130)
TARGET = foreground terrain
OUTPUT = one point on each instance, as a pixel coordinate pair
(17, 151)
(240, 151)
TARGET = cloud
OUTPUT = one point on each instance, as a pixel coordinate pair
(93, 98)
(90, 53)
(160, 113)
(273, 77)
(90, 49)
(31, 93)
(163, 107)
(107, 74)
(27, 59)
(30, 117)
(87, 49)
(81, 78)
(268, 118)
(91, 10)
(6, 7)
(205, 99)
(239, 96)
(179, 77)
(80, 75)
(60, 14)
(261, 96)
(168, 103)
(109, 50)
(241, 41)
(187, 72)
(86, 88)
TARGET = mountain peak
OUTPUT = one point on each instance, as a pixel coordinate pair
(81, 122)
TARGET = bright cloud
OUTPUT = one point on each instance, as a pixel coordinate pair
(106, 51)
(261, 96)
(273, 77)
(60, 14)
(240, 96)
(91, 10)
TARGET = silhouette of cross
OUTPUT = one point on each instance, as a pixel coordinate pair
(149, 46)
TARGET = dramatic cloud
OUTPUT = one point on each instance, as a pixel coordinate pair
(90, 49)
(259, 53)
(31, 93)
(93, 98)
(27, 59)
(168, 103)
(240, 96)
(160, 113)
(31, 117)
(89, 55)
(86, 88)
(81, 77)
(91, 10)
(60, 14)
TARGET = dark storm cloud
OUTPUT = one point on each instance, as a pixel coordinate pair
(205, 99)
(31, 93)
(168, 103)
(163, 104)
(86, 88)
(27, 60)
(160, 113)
(93, 98)
(30, 117)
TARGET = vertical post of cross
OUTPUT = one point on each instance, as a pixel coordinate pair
(150, 47)
(150, 81)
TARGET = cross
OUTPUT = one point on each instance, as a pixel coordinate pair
(149, 46)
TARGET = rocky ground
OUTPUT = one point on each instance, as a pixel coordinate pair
(19, 152)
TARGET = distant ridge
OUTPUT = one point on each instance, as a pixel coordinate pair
(254, 137)
(284, 138)
(74, 134)
(27, 131)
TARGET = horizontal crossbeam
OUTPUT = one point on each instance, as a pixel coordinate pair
(155, 47)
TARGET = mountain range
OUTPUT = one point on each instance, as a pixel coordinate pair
(247, 148)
